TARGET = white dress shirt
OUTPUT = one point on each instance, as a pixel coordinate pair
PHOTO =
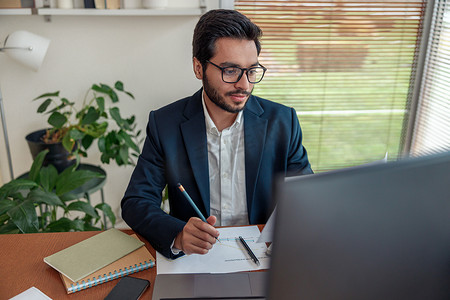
(226, 160)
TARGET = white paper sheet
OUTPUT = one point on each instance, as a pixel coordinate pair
(225, 257)
(267, 232)
(31, 294)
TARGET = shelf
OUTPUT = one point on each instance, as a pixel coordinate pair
(15, 11)
(120, 12)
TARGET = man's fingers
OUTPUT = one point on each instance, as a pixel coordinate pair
(193, 244)
(206, 227)
(193, 249)
(198, 243)
(211, 220)
(201, 231)
(198, 236)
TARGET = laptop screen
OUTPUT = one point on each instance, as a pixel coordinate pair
(373, 232)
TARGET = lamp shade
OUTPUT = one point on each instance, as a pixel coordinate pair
(26, 48)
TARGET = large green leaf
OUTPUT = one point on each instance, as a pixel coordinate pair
(24, 217)
(54, 94)
(106, 209)
(61, 106)
(119, 86)
(9, 228)
(90, 117)
(86, 142)
(68, 142)
(37, 165)
(102, 144)
(130, 121)
(128, 141)
(100, 103)
(111, 93)
(96, 130)
(115, 114)
(39, 196)
(43, 107)
(64, 224)
(6, 205)
(47, 177)
(89, 227)
(69, 180)
(15, 186)
(123, 153)
(57, 119)
(66, 102)
(78, 225)
(68, 197)
(76, 134)
(104, 158)
(102, 88)
(83, 207)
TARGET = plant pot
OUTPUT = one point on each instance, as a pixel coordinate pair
(57, 156)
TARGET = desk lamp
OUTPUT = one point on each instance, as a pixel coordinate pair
(29, 50)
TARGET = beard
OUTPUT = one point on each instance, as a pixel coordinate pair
(218, 100)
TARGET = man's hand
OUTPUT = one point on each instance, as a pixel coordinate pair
(197, 236)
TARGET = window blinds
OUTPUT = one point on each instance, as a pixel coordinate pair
(345, 66)
(432, 127)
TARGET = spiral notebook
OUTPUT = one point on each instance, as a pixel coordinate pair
(92, 254)
(136, 261)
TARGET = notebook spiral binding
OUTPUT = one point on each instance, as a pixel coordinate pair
(110, 276)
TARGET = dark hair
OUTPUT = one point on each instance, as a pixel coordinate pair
(220, 23)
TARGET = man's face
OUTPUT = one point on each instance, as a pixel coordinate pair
(230, 97)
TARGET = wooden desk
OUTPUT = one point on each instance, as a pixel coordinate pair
(22, 265)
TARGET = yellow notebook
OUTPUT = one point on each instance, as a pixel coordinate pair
(136, 261)
(92, 254)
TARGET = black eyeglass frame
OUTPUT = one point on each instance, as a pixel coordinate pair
(242, 72)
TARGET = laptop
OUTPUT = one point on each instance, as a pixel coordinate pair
(242, 285)
(371, 232)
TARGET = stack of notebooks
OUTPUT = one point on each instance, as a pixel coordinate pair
(99, 259)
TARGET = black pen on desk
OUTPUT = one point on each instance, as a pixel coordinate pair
(191, 202)
(249, 251)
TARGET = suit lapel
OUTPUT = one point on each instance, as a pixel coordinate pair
(255, 129)
(194, 137)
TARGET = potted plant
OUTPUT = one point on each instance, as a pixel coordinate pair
(43, 202)
(73, 130)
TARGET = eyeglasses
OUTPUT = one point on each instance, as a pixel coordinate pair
(234, 74)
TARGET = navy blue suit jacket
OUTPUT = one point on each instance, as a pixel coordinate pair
(175, 151)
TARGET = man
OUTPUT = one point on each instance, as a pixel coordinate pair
(224, 145)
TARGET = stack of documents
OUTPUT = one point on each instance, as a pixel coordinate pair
(99, 259)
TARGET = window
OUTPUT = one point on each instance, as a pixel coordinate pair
(431, 131)
(346, 67)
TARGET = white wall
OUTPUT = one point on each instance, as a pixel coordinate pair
(151, 55)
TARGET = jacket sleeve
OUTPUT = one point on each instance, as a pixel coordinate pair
(141, 204)
(298, 163)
